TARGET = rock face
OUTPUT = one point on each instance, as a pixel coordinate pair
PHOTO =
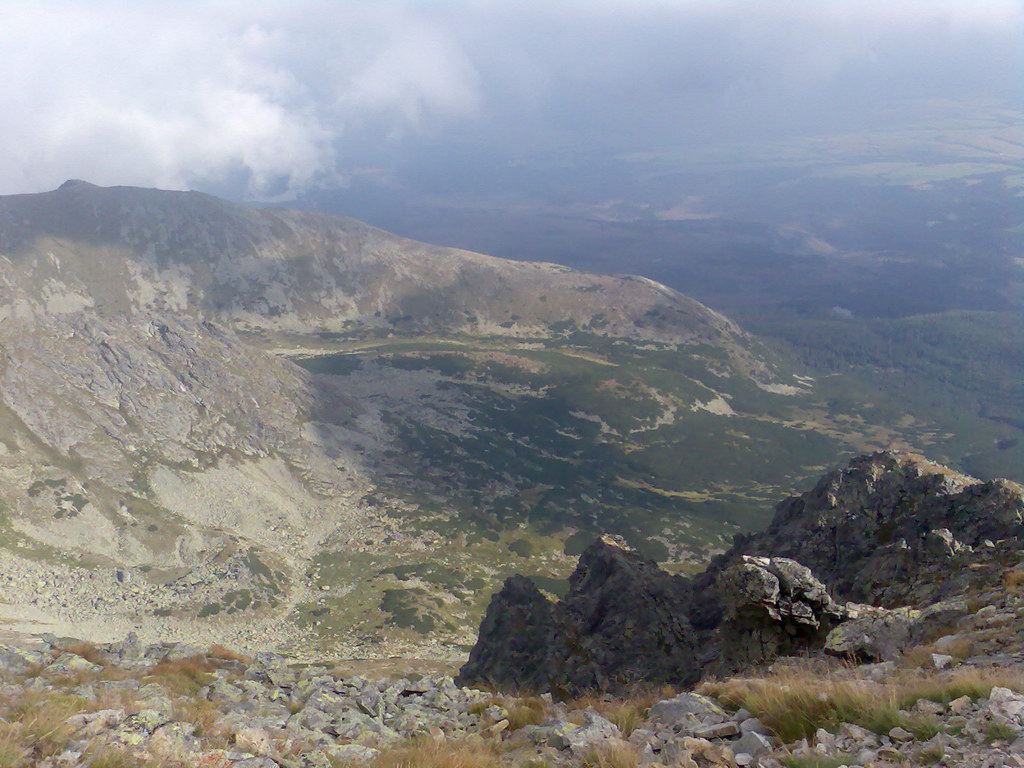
(773, 606)
(876, 634)
(518, 630)
(891, 529)
(622, 620)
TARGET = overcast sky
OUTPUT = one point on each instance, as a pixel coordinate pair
(274, 98)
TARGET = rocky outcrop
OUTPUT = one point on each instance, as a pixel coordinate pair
(623, 619)
(774, 607)
(894, 529)
(882, 634)
(876, 634)
(515, 635)
(909, 536)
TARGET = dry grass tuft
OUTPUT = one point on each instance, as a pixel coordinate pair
(182, 676)
(628, 711)
(108, 756)
(430, 753)
(13, 751)
(35, 727)
(205, 716)
(532, 710)
(627, 714)
(523, 711)
(997, 731)
(819, 761)
(1013, 580)
(615, 755)
(795, 704)
(920, 656)
(931, 755)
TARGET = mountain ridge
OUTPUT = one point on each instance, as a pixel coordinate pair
(276, 269)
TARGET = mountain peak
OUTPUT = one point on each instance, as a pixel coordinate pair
(76, 184)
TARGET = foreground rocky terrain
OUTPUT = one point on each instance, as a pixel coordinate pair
(72, 704)
(754, 662)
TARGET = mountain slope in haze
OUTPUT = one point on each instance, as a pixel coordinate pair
(283, 428)
(122, 249)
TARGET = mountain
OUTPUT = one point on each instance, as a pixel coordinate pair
(278, 428)
(124, 250)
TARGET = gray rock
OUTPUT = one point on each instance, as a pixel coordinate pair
(594, 731)
(752, 743)
(773, 607)
(19, 660)
(875, 634)
(174, 740)
(555, 733)
(687, 711)
(941, 660)
(717, 731)
(752, 724)
(311, 719)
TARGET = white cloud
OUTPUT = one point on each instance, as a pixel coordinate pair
(165, 95)
(280, 95)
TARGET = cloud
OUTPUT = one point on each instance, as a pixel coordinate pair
(176, 94)
(275, 97)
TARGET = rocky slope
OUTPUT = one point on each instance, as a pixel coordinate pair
(915, 539)
(69, 704)
(123, 250)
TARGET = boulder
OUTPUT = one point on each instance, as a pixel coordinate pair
(751, 743)
(875, 634)
(595, 731)
(774, 606)
(687, 712)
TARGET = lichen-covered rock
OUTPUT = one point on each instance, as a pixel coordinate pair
(874, 634)
(594, 731)
(773, 606)
(687, 712)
